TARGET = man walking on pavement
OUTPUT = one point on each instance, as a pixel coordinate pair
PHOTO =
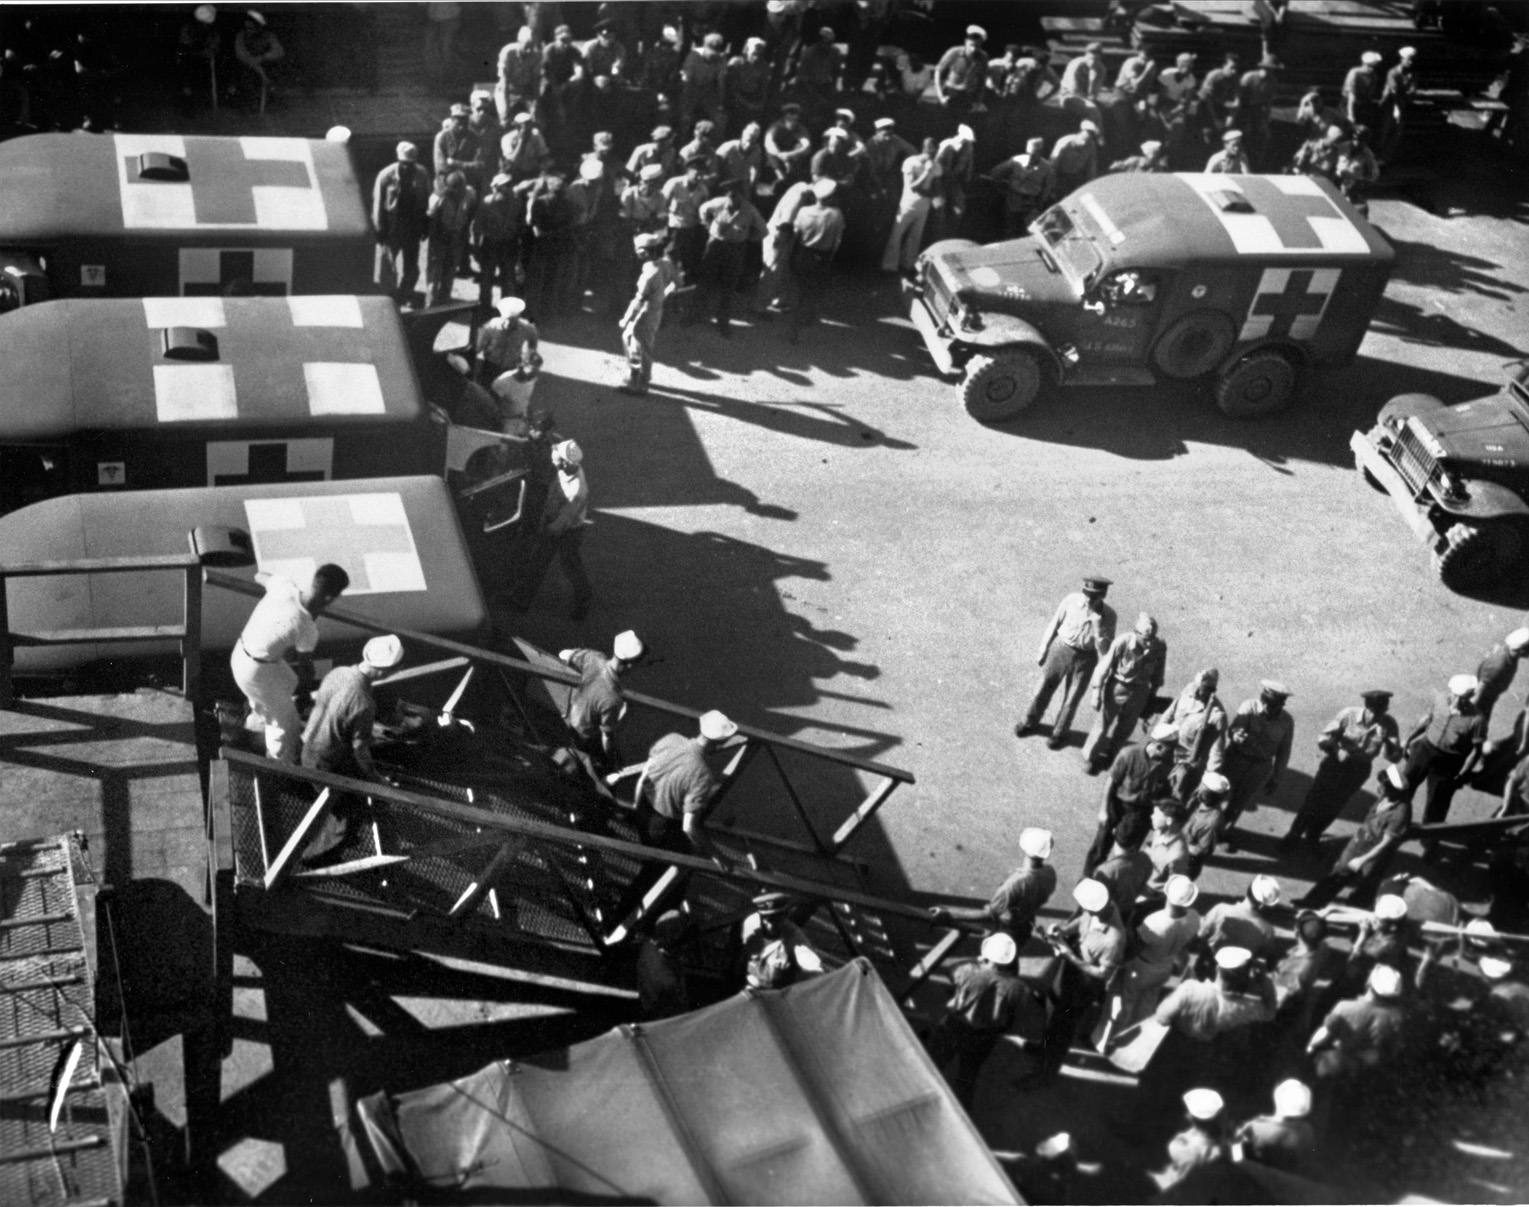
(280, 629)
(819, 228)
(1444, 747)
(400, 202)
(1079, 633)
(1496, 671)
(1138, 777)
(1123, 685)
(1199, 719)
(1256, 751)
(921, 184)
(561, 532)
(645, 313)
(731, 221)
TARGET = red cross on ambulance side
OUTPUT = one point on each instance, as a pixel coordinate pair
(1289, 302)
(367, 534)
(315, 342)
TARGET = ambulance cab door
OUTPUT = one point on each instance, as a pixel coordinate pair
(30, 473)
(1120, 316)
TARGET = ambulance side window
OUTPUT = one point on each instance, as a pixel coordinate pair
(1129, 288)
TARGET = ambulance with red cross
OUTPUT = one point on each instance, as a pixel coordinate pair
(146, 393)
(1241, 281)
(398, 538)
(136, 215)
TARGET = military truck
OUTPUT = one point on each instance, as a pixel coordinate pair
(140, 215)
(1240, 281)
(1459, 476)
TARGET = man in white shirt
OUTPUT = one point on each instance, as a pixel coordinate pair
(280, 629)
(561, 532)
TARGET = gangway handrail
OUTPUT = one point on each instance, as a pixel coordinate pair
(242, 586)
(740, 873)
(188, 632)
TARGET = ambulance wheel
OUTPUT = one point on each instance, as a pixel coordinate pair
(997, 388)
(1194, 345)
(1475, 555)
(1256, 386)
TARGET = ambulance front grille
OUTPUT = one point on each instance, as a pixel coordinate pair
(1414, 462)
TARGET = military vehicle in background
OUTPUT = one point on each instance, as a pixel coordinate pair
(1459, 475)
(1240, 281)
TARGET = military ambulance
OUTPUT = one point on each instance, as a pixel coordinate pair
(138, 215)
(1240, 281)
(398, 539)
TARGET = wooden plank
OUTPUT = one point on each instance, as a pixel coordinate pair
(873, 801)
(507, 854)
(102, 565)
(276, 871)
(137, 632)
(671, 882)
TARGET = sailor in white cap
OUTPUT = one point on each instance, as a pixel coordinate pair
(676, 787)
(1092, 946)
(258, 50)
(1364, 1033)
(596, 705)
(961, 75)
(989, 999)
(1286, 1139)
(1020, 898)
(818, 230)
(1203, 1142)
(1028, 182)
(1207, 812)
(1256, 752)
(498, 224)
(1126, 679)
(956, 157)
(400, 203)
(506, 342)
(558, 533)
(1081, 629)
(1244, 922)
(1350, 744)
(1397, 98)
(337, 134)
(338, 736)
(1444, 749)
(196, 56)
(1201, 1013)
(1495, 673)
(1161, 944)
(1368, 853)
(1361, 92)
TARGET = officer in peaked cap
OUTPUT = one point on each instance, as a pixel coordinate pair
(1350, 744)
(1079, 633)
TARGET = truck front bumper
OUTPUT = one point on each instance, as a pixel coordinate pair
(1368, 457)
(938, 345)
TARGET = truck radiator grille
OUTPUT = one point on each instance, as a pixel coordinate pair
(936, 296)
(1414, 462)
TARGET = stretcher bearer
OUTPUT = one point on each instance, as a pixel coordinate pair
(279, 629)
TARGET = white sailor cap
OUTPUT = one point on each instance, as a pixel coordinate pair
(1203, 1104)
(1214, 781)
(1391, 907)
(627, 646)
(1000, 949)
(1385, 981)
(716, 727)
(384, 652)
(1035, 842)
(511, 308)
(1265, 890)
(1181, 891)
(1292, 1099)
(1091, 895)
(1233, 958)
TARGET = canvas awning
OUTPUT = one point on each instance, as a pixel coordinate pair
(819, 1093)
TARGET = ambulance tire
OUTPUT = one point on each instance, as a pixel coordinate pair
(1477, 555)
(1257, 386)
(1194, 345)
(1001, 387)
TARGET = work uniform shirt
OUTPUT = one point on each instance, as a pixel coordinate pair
(596, 705)
(837, 163)
(1203, 1010)
(748, 84)
(1302, 970)
(1367, 1030)
(567, 502)
(1360, 86)
(884, 150)
(1027, 181)
(1354, 737)
(1135, 779)
(1161, 939)
(1255, 737)
(663, 154)
(728, 221)
(1101, 938)
(456, 150)
(1203, 826)
(1236, 924)
(685, 198)
(1081, 624)
(1255, 92)
(507, 342)
(1125, 875)
(986, 998)
(647, 309)
(962, 70)
(1082, 77)
(520, 70)
(678, 778)
(1134, 659)
(921, 174)
(1453, 732)
(279, 624)
(741, 163)
(1076, 156)
(343, 711)
(1385, 819)
(1021, 897)
(1169, 854)
(1286, 1144)
(1201, 725)
(819, 227)
(646, 209)
(1219, 88)
(522, 152)
(1224, 161)
(1495, 674)
(1176, 84)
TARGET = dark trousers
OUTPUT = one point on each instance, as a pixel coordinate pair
(565, 548)
(1361, 885)
(689, 243)
(496, 266)
(811, 269)
(959, 1051)
(398, 262)
(1439, 769)
(721, 270)
(1070, 669)
(1332, 787)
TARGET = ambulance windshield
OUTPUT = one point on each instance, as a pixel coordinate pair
(1071, 249)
